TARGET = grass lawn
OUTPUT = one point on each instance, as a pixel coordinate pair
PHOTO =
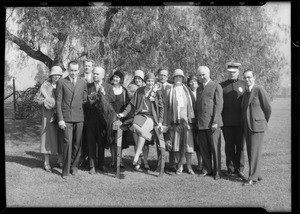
(28, 185)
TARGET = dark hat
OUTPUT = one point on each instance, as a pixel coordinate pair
(233, 66)
(192, 77)
(119, 74)
(150, 76)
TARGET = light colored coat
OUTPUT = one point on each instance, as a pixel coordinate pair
(49, 128)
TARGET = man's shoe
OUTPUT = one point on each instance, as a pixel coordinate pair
(65, 177)
(203, 174)
(74, 171)
(103, 169)
(259, 178)
(92, 171)
(217, 177)
(229, 173)
(249, 183)
(241, 175)
(172, 169)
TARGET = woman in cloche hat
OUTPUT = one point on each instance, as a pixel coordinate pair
(50, 143)
(148, 108)
(182, 121)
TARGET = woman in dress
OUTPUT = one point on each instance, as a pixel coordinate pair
(121, 101)
(182, 121)
(148, 108)
(137, 82)
(193, 84)
(50, 140)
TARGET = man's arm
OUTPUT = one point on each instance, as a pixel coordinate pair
(265, 103)
(218, 104)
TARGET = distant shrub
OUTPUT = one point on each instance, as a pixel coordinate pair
(26, 107)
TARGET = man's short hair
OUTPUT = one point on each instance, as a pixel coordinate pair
(161, 69)
(249, 70)
(73, 62)
(89, 60)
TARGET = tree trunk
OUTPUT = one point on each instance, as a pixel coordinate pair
(102, 49)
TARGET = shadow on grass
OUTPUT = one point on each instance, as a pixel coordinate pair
(25, 161)
(27, 130)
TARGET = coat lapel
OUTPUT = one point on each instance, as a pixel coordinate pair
(252, 94)
(69, 84)
(205, 89)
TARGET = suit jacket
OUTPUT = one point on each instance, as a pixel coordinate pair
(165, 92)
(70, 99)
(109, 95)
(232, 96)
(209, 105)
(257, 109)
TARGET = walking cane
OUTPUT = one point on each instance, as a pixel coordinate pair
(162, 146)
(118, 139)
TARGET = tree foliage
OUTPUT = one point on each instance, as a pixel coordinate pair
(147, 38)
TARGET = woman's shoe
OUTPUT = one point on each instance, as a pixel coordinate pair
(191, 172)
(179, 171)
(59, 165)
(122, 165)
(137, 168)
(47, 167)
(146, 166)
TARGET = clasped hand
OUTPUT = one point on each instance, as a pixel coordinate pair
(62, 124)
(120, 115)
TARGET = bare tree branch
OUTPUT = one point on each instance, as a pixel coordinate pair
(35, 54)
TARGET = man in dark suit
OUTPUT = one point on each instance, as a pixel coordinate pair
(256, 112)
(209, 104)
(87, 75)
(233, 89)
(96, 125)
(71, 95)
(165, 88)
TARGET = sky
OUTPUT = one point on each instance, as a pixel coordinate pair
(25, 74)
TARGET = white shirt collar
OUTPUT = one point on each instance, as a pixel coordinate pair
(250, 87)
(206, 82)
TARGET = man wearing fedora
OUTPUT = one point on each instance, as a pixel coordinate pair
(233, 90)
(71, 95)
(98, 129)
(256, 112)
(209, 105)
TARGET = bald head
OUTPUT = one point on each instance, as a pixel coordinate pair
(204, 74)
(98, 74)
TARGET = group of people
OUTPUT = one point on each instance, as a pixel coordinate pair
(188, 114)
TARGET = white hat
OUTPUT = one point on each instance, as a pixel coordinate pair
(178, 72)
(233, 66)
(139, 73)
(55, 70)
